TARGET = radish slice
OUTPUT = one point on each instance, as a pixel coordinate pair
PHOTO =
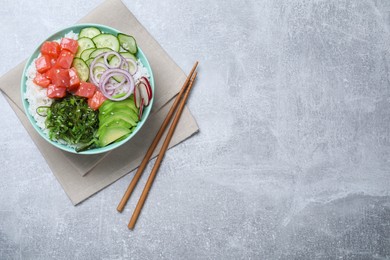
(141, 109)
(143, 89)
(137, 96)
(149, 88)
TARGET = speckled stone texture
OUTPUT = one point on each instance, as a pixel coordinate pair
(292, 160)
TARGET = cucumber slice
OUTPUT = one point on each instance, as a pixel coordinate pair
(84, 43)
(85, 54)
(98, 51)
(127, 42)
(118, 79)
(114, 62)
(89, 61)
(89, 32)
(81, 68)
(100, 60)
(97, 70)
(128, 55)
(106, 41)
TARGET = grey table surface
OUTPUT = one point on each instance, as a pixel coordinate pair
(292, 160)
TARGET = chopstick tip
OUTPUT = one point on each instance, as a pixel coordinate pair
(194, 67)
(131, 227)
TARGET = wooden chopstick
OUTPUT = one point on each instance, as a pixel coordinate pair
(164, 148)
(154, 144)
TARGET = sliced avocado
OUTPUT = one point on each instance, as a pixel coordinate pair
(116, 107)
(117, 121)
(111, 134)
(124, 113)
(129, 102)
(107, 105)
(125, 136)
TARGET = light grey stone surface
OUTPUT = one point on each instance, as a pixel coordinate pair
(292, 160)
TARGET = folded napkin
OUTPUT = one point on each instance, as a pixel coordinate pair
(83, 175)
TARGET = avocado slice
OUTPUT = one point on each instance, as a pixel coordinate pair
(111, 134)
(129, 102)
(123, 113)
(119, 120)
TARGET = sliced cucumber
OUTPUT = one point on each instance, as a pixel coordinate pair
(98, 51)
(89, 61)
(89, 32)
(84, 43)
(81, 68)
(118, 78)
(114, 62)
(99, 60)
(97, 70)
(127, 42)
(106, 41)
(128, 55)
(85, 54)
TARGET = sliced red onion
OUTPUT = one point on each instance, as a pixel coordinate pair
(123, 72)
(135, 66)
(95, 63)
(106, 87)
(124, 65)
(106, 56)
(96, 76)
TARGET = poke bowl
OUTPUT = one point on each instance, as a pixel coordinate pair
(87, 89)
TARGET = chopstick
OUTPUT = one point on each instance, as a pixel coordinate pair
(164, 148)
(155, 142)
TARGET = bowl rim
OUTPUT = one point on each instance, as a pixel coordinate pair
(57, 35)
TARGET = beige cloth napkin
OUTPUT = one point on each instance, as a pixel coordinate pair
(83, 175)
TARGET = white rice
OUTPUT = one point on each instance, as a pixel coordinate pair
(37, 96)
(141, 71)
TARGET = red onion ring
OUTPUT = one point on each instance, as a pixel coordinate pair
(135, 66)
(106, 87)
(104, 79)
